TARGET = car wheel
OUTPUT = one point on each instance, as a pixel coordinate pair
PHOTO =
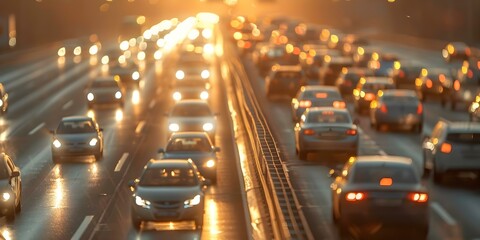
(302, 154)
(199, 222)
(11, 214)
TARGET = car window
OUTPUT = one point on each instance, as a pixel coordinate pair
(397, 99)
(188, 145)
(288, 75)
(83, 126)
(197, 110)
(180, 177)
(467, 138)
(328, 117)
(320, 94)
(373, 174)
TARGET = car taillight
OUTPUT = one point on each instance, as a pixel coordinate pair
(383, 108)
(305, 104)
(355, 196)
(470, 73)
(352, 132)
(401, 74)
(418, 197)
(446, 148)
(308, 132)
(339, 104)
(429, 83)
(419, 109)
(369, 96)
(456, 85)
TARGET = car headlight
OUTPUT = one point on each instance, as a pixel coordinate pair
(177, 96)
(90, 96)
(56, 143)
(208, 49)
(135, 75)
(210, 163)
(118, 95)
(204, 95)
(207, 127)
(142, 202)
(61, 52)
(1, 102)
(77, 51)
(6, 196)
(192, 202)
(180, 75)
(173, 127)
(93, 50)
(205, 74)
(158, 55)
(93, 142)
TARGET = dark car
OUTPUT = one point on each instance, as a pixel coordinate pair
(105, 90)
(196, 146)
(405, 73)
(466, 85)
(434, 82)
(381, 190)
(10, 188)
(383, 64)
(77, 136)
(284, 80)
(128, 73)
(332, 69)
(366, 91)
(456, 51)
(349, 78)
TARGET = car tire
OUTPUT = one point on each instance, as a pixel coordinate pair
(302, 155)
(199, 222)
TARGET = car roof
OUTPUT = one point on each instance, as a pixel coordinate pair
(169, 163)
(399, 92)
(76, 118)
(291, 68)
(321, 109)
(465, 127)
(379, 160)
(318, 88)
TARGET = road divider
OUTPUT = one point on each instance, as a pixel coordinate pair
(120, 163)
(139, 128)
(37, 128)
(81, 229)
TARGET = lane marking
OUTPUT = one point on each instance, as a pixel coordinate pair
(67, 105)
(443, 214)
(33, 131)
(81, 229)
(152, 104)
(120, 163)
(140, 126)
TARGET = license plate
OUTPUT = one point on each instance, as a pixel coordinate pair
(329, 134)
(388, 202)
(166, 214)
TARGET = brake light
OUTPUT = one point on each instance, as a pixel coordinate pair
(339, 104)
(478, 64)
(369, 96)
(418, 197)
(308, 132)
(401, 74)
(383, 108)
(456, 85)
(355, 196)
(305, 104)
(470, 73)
(446, 148)
(321, 95)
(429, 83)
(386, 182)
(351, 132)
(420, 109)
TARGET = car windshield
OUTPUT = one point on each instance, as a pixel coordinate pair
(468, 138)
(195, 144)
(403, 99)
(328, 117)
(195, 110)
(104, 84)
(80, 126)
(377, 86)
(168, 177)
(373, 174)
(321, 95)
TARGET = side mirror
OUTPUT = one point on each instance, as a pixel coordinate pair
(216, 149)
(356, 121)
(15, 174)
(161, 150)
(334, 173)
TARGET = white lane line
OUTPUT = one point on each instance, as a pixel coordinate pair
(139, 128)
(120, 163)
(383, 153)
(152, 104)
(443, 214)
(36, 128)
(67, 105)
(78, 234)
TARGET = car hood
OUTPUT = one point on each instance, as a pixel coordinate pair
(167, 193)
(77, 137)
(192, 120)
(197, 157)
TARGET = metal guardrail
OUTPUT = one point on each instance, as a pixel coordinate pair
(287, 220)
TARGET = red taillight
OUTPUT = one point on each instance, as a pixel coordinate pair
(308, 132)
(401, 74)
(369, 96)
(478, 64)
(339, 104)
(383, 108)
(429, 83)
(418, 197)
(420, 109)
(446, 148)
(305, 104)
(355, 196)
(351, 132)
(456, 85)
(470, 73)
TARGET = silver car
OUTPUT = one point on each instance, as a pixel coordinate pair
(105, 90)
(383, 191)
(10, 188)
(315, 96)
(77, 136)
(326, 129)
(191, 88)
(192, 115)
(168, 190)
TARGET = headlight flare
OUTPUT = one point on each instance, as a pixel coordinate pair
(180, 75)
(177, 96)
(135, 75)
(204, 95)
(6, 196)
(142, 202)
(90, 97)
(93, 142)
(118, 95)
(205, 74)
(174, 127)
(207, 127)
(56, 143)
(210, 163)
(193, 202)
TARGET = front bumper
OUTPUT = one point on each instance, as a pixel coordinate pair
(158, 213)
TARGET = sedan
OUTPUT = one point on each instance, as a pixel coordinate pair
(456, 51)
(196, 146)
(168, 190)
(192, 115)
(434, 82)
(315, 96)
(77, 136)
(105, 90)
(375, 192)
(191, 88)
(326, 129)
(397, 107)
(366, 91)
(128, 73)
(10, 188)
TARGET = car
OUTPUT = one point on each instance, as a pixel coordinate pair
(191, 64)
(366, 91)
(474, 109)
(398, 107)
(128, 73)
(465, 86)
(332, 68)
(77, 136)
(434, 82)
(192, 115)
(405, 73)
(10, 188)
(362, 55)
(349, 78)
(168, 190)
(191, 88)
(196, 146)
(326, 129)
(105, 90)
(270, 55)
(3, 99)
(351, 42)
(451, 148)
(383, 64)
(381, 190)
(315, 96)
(456, 51)
(284, 80)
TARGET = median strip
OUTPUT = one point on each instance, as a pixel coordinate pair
(139, 128)
(81, 229)
(120, 163)
(33, 131)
